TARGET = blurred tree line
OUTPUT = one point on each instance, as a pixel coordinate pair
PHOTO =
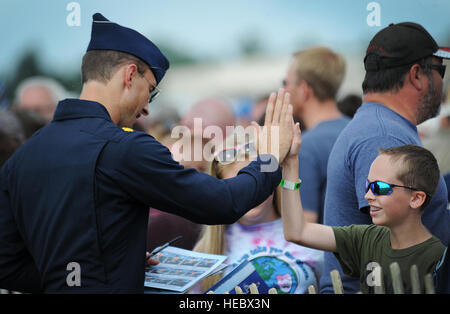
(28, 65)
(251, 43)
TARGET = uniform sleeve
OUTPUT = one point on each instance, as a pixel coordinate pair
(147, 171)
(349, 241)
(17, 269)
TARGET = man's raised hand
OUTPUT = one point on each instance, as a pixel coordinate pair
(275, 137)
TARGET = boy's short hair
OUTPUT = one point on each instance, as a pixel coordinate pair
(322, 69)
(100, 65)
(418, 168)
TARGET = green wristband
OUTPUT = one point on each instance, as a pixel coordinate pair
(290, 185)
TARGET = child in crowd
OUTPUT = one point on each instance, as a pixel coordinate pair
(258, 235)
(400, 184)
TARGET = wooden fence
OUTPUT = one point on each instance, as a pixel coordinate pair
(397, 283)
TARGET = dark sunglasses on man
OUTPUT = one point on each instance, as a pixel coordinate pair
(440, 68)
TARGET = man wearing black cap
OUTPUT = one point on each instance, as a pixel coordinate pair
(402, 88)
(74, 199)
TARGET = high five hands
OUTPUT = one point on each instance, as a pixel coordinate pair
(279, 136)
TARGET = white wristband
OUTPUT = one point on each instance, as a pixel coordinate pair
(290, 185)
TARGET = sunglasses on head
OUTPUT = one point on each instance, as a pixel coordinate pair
(440, 68)
(383, 188)
(229, 155)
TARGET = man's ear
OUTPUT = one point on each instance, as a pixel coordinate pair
(417, 199)
(416, 76)
(128, 74)
(306, 90)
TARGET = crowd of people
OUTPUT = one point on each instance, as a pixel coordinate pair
(99, 181)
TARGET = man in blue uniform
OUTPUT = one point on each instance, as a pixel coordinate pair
(74, 198)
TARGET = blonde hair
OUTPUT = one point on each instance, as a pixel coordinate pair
(322, 69)
(212, 237)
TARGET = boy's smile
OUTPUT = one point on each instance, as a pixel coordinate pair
(374, 210)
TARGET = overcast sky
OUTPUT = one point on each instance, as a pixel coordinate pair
(206, 28)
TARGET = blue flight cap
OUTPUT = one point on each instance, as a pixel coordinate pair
(107, 35)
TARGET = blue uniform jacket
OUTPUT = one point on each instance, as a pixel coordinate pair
(79, 191)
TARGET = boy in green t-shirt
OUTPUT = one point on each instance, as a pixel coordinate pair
(399, 186)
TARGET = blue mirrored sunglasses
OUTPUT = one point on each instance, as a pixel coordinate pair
(383, 188)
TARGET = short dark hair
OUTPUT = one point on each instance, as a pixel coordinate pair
(391, 79)
(100, 65)
(349, 104)
(419, 168)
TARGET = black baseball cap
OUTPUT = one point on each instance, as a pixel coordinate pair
(401, 44)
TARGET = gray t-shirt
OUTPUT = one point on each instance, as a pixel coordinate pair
(316, 147)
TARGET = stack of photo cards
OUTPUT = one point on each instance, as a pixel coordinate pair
(180, 269)
(243, 276)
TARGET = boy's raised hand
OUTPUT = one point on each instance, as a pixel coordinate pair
(292, 156)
